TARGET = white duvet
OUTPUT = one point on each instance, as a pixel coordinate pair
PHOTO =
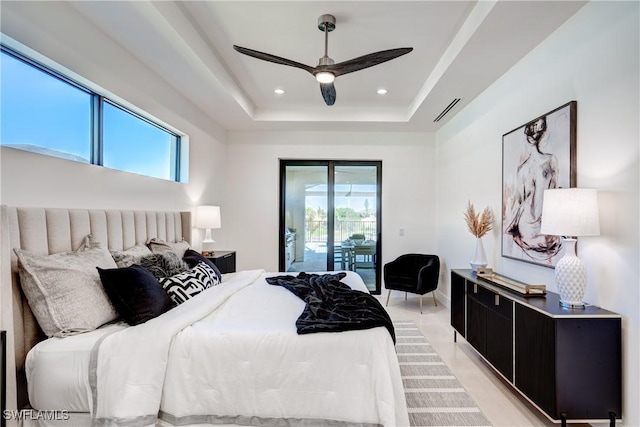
(231, 355)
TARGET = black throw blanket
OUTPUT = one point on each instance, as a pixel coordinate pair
(332, 306)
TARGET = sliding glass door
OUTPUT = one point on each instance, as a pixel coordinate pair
(303, 224)
(330, 217)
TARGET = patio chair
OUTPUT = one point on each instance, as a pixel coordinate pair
(414, 273)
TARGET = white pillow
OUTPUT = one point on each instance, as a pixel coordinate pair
(64, 290)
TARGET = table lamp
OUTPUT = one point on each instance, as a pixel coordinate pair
(208, 217)
(570, 212)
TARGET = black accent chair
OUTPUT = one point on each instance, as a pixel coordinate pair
(415, 273)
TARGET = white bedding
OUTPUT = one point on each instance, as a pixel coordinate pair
(231, 355)
(58, 370)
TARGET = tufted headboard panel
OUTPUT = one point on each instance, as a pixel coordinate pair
(48, 231)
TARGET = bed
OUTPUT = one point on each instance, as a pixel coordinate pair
(231, 355)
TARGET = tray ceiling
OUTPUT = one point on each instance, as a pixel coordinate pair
(460, 48)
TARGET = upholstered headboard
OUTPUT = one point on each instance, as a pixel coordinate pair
(48, 231)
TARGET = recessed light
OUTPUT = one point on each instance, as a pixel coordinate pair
(382, 91)
(278, 91)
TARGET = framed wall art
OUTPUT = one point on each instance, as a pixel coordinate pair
(538, 155)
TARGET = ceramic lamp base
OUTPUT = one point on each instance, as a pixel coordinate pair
(208, 242)
(571, 277)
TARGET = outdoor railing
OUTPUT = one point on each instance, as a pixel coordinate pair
(316, 231)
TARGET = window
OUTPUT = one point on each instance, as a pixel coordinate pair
(135, 145)
(46, 112)
(42, 113)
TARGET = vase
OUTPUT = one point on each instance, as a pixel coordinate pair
(479, 259)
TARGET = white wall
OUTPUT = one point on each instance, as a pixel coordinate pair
(408, 187)
(592, 59)
(58, 32)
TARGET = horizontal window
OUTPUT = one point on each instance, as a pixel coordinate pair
(46, 112)
(42, 113)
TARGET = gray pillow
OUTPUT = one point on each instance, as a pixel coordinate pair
(130, 256)
(64, 290)
(163, 264)
(157, 246)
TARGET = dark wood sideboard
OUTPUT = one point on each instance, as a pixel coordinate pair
(566, 362)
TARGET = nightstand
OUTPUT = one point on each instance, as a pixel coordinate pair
(224, 260)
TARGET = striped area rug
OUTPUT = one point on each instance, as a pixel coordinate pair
(434, 395)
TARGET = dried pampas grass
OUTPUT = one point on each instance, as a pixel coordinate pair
(479, 224)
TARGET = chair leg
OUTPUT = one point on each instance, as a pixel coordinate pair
(405, 296)
(388, 295)
(420, 304)
(435, 301)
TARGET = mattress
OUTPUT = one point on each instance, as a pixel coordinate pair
(58, 370)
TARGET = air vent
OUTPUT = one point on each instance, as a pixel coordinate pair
(446, 110)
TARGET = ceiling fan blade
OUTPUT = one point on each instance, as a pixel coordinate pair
(328, 93)
(367, 61)
(273, 58)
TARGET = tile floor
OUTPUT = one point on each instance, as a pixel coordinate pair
(498, 401)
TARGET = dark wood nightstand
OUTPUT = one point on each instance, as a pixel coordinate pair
(224, 260)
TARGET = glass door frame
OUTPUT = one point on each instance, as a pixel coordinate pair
(331, 165)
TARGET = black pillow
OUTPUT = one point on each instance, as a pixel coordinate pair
(192, 258)
(135, 293)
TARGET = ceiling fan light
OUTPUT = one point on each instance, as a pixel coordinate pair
(325, 77)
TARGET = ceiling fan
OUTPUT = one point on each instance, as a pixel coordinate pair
(327, 70)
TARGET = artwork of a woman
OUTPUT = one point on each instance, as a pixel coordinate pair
(536, 171)
(536, 156)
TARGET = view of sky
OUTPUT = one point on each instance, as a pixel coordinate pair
(42, 110)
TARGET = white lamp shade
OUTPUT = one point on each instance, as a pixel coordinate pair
(570, 212)
(208, 217)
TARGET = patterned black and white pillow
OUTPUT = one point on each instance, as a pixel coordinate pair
(184, 286)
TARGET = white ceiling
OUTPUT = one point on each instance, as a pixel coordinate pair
(460, 48)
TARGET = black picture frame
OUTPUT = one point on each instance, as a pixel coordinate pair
(537, 155)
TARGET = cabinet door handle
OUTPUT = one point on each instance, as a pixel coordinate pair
(497, 301)
(475, 288)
